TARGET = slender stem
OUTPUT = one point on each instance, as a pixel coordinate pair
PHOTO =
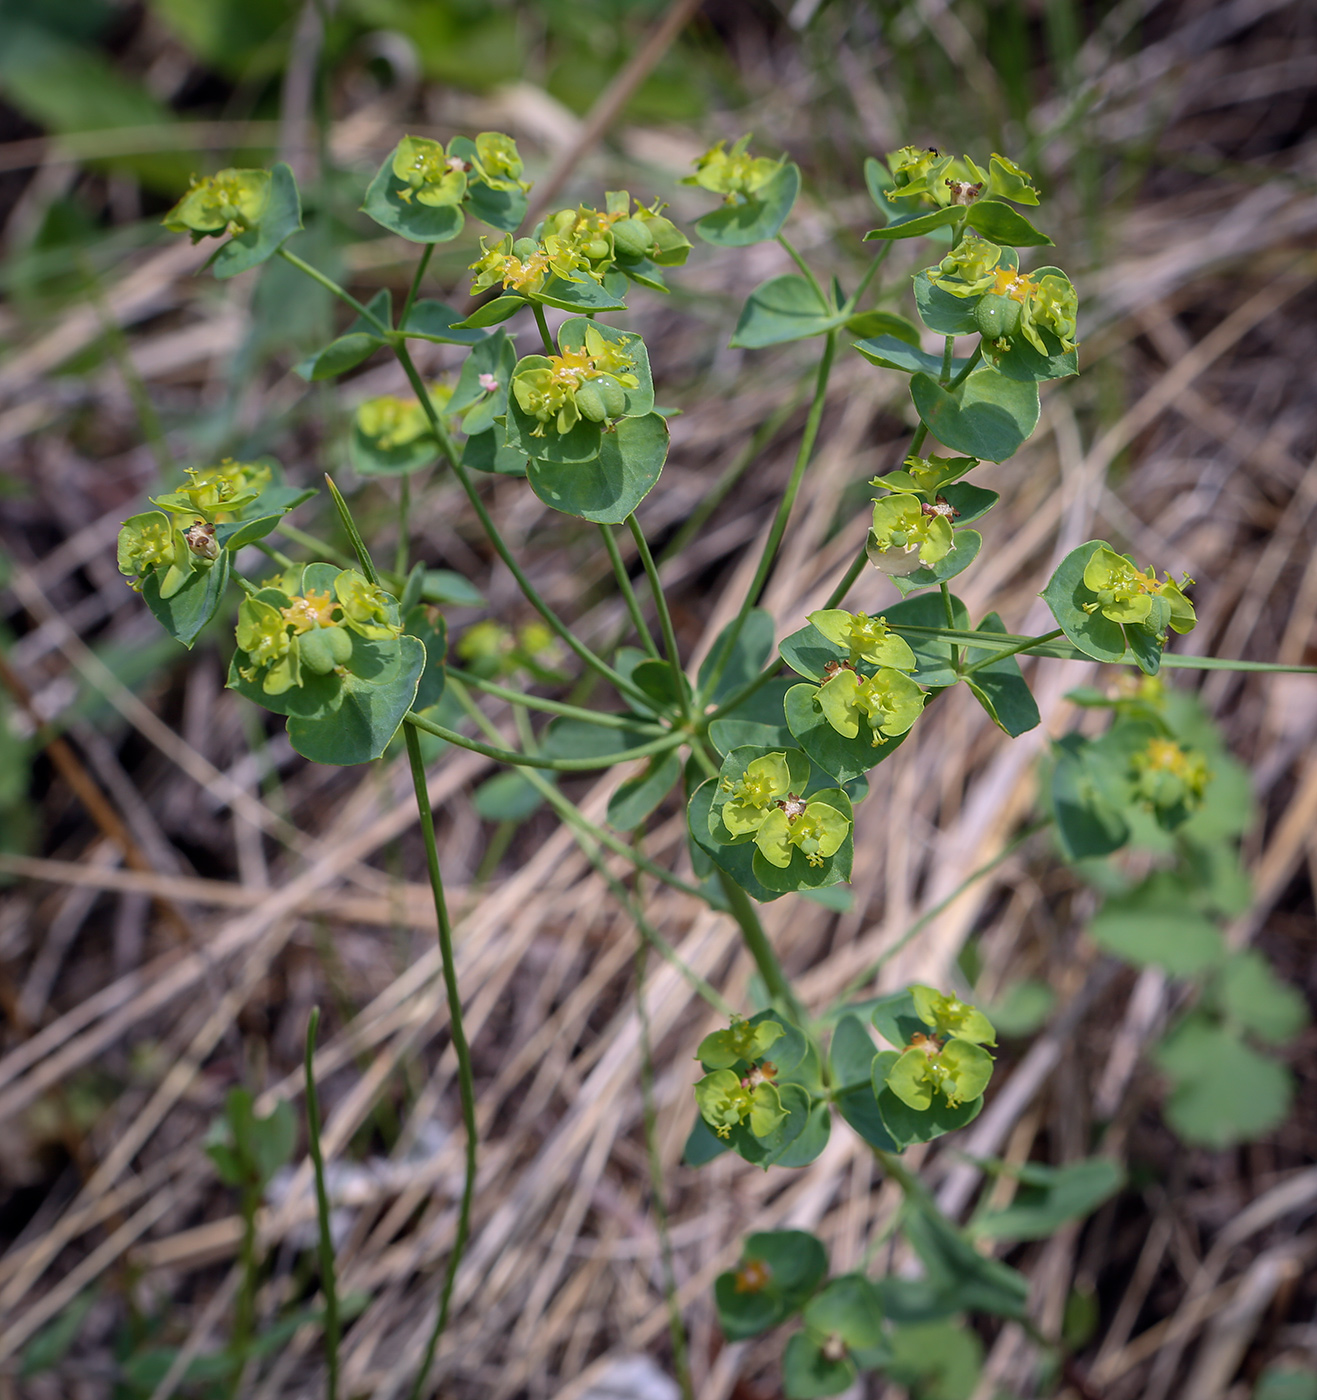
(948, 352)
(760, 949)
(331, 286)
(245, 1308)
(528, 589)
(965, 369)
(350, 525)
(802, 265)
(670, 740)
(465, 1077)
(572, 814)
(416, 285)
(328, 1281)
(603, 718)
(917, 441)
(1014, 651)
(279, 557)
(664, 616)
(869, 275)
(676, 1328)
(404, 525)
(549, 347)
(779, 525)
(951, 622)
(628, 593)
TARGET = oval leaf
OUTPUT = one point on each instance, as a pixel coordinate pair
(607, 489)
(988, 416)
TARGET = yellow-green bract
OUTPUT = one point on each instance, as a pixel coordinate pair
(230, 201)
(866, 638)
(889, 700)
(1126, 594)
(904, 537)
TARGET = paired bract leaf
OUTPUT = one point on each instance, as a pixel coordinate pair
(758, 217)
(987, 416)
(778, 1272)
(608, 487)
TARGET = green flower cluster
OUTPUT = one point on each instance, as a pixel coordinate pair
(729, 1096)
(436, 176)
(734, 174)
(762, 805)
(888, 700)
(949, 1060)
(282, 635)
(908, 534)
(941, 180)
(583, 242)
(390, 422)
(587, 383)
(229, 202)
(1127, 595)
(1010, 302)
(491, 651)
(1169, 779)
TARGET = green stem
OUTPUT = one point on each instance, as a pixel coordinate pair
(416, 285)
(670, 740)
(760, 949)
(676, 1328)
(572, 814)
(328, 1281)
(354, 535)
(279, 557)
(404, 526)
(245, 1308)
(779, 525)
(951, 622)
(528, 589)
(549, 347)
(664, 616)
(628, 593)
(869, 275)
(465, 1076)
(965, 369)
(602, 718)
(332, 287)
(1013, 651)
(803, 266)
(948, 352)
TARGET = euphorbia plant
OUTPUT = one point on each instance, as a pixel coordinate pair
(772, 763)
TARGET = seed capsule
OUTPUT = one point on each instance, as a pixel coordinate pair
(590, 402)
(997, 316)
(632, 237)
(323, 648)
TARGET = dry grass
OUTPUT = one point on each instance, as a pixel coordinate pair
(138, 988)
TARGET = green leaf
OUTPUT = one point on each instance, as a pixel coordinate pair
(851, 1308)
(238, 533)
(1066, 593)
(438, 323)
(608, 488)
(783, 309)
(1155, 923)
(585, 295)
(430, 629)
(703, 1145)
(873, 325)
(1255, 999)
(1000, 686)
(809, 651)
(1049, 1197)
(807, 1372)
(878, 180)
(659, 682)
(972, 502)
(497, 356)
(490, 313)
(544, 443)
(636, 798)
(50, 1346)
(964, 550)
(999, 223)
(356, 344)
(907, 1125)
(507, 797)
(765, 1151)
(578, 738)
(891, 353)
(988, 416)
(1090, 820)
(851, 1057)
(1022, 1007)
(758, 720)
(756, 219)
(369, 458)
(809, 1146)
(367, 716)
(185, 613)
(419, 223)
(444, 586)
(754, 645)
(779, 1270)
(959, 1272)
(489, 452)
(1223, 1091)
(1283, 1382)
(842, 757)
(919, 224)
(1019, 360)
(936, 1360)
(281, 218)
(941, 312)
